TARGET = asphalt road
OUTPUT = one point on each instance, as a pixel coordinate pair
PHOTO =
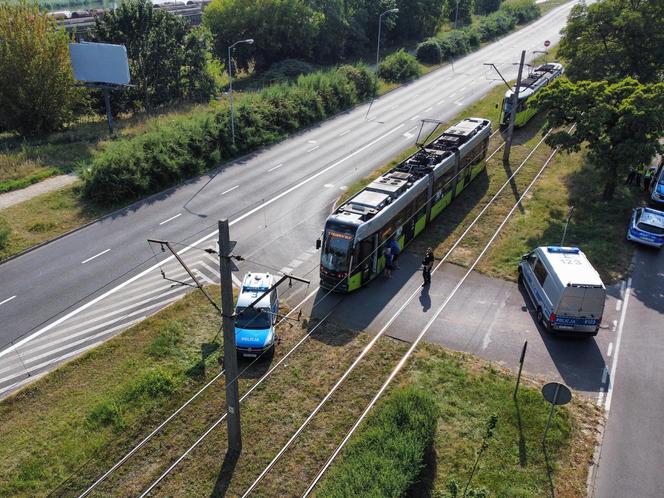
(632, 453)
(47, 292)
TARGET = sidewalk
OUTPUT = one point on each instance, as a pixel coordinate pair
(49, 185)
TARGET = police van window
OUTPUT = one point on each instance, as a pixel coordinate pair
(540, 272)
(531, 258)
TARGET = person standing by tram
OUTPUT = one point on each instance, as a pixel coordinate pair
(427, 265)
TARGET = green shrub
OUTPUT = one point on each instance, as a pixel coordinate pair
(399, 67)
(428, 52)
(167, 341)
(522, 10)
(5, 233)
(387, 455)
(187, 146)
(287, 69)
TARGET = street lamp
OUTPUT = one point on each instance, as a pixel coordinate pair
(248, 41)
(380, 21)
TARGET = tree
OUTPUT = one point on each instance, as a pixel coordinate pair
(281, 29)
(417, 19)
(619, 123)
(37, 92)
(167, 60)
(484, 7)
(613, 39)
(465, 11)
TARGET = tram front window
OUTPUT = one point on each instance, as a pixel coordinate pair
(507, 105)
(336, 251)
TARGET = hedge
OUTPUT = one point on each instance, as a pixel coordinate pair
(187, 146)
(387, 456)
(460, 41)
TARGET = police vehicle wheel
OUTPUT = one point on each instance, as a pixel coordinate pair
(540, 319)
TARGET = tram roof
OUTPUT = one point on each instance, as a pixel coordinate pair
(405, 177)
(536, 79)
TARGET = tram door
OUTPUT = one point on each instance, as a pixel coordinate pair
(368, 257)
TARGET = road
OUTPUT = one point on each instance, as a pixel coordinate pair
(81, 289)
(632, 453)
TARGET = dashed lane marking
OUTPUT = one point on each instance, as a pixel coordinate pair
(275, 167)
(7, 300)
(171, 218)
(229, 190)
(95, 256)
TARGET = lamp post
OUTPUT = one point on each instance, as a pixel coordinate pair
(380, 22)
(248, 41)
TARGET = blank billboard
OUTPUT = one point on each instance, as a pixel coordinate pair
(99, 63)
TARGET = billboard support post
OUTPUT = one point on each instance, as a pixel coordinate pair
(107, 101)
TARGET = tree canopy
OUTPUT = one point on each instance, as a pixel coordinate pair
(619, 123)
(167, 59)
(612, 39)
(37, 92)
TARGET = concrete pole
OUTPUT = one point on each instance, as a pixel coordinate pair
(230, 93)
(230, 353)
(515, 102)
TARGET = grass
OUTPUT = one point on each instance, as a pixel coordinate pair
(80, 419)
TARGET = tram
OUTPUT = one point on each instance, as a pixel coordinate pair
(536, 80)
(399, 204)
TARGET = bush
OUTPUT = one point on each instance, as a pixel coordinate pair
(387, 455)
(399, 67)
(5, 233)
(187, 146)
(522, 10)
(428, 52)
(285, 70)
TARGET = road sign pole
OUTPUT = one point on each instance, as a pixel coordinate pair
(230, 353)
(518, 377)
(553, 406)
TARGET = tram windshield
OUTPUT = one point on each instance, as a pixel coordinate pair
(336, 249)
(507, 105)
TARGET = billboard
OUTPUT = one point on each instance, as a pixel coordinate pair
(99, 63)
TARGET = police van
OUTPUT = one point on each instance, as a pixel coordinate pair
(254, 327)
(565, 289)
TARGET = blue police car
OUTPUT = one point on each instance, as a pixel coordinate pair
(254, 326)
(647, 227)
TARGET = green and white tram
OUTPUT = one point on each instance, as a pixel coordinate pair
(399, 204)
(535, 81)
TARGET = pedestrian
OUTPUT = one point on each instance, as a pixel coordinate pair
(427, 265)
(630, 175)
(388, 261)
(639, 175)
(647, 177)
(396, 250)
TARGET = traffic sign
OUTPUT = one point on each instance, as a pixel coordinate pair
(547, 43)
(556, 394)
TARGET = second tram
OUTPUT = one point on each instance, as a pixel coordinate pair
(535, 81)
(399, 204)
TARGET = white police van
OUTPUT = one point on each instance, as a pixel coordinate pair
(565, 289)
(254, 327)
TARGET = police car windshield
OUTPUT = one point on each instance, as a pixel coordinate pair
(646, 227)
(252, 318)
(336, 250)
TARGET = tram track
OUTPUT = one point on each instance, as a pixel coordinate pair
(155, 434)
(154, 485)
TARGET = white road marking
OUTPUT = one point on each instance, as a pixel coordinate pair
(196, 243)
(428, 109)
(409, 133)
(440, 102)
(203, 276)
(311, 141)
(229, 190)
(171, 218)
(614, 326)
(600, 396)
(610, 350)
(328, 185)
(605, 374)
(458, 102)
(7, 300)
(415, 117)
(622, 289)
(612, 378)
(236, 281)
(275, 167)
(618, 304)
(394, 107)
(295, 263)
(211, 270)
(95, 256)
(451, 95)
(286, 270)
(343, 187)
(344, 133)
(313, 148)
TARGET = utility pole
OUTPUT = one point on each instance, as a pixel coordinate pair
(230, 353)
(515, 103)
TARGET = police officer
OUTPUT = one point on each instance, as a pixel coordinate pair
(427, 265)
(647, 176)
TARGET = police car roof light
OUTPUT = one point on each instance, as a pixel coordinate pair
(563, 250)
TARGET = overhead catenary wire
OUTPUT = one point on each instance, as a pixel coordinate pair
(426, 328)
